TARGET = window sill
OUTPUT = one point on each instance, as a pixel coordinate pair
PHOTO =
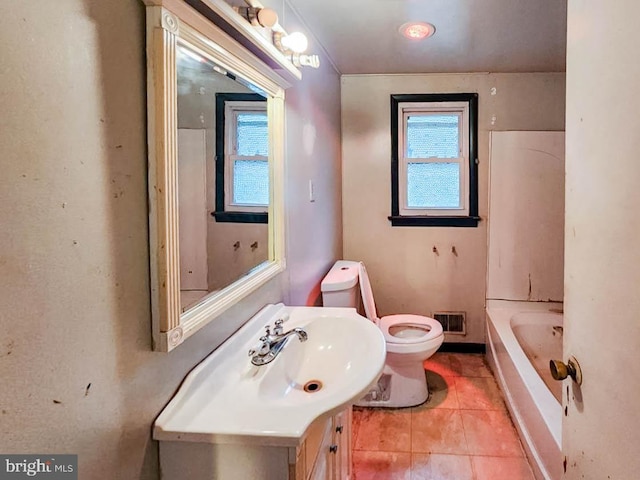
(240, 217)
(433, 221)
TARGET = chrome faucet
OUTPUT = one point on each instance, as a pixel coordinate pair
(271, 344)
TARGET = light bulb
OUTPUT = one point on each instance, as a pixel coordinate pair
(417, 30)
(258, 17)
(296, 42)
(267, 17)
(299, 60)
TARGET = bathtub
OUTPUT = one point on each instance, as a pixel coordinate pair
(516, 333)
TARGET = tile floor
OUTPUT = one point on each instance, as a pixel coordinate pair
(462, 433)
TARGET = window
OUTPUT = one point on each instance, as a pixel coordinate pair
(242, 158)
(434, 172)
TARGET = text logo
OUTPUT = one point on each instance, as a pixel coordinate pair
(46, 467)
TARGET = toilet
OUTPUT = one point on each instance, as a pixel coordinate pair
(410, 339)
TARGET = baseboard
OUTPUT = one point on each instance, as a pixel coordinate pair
(463, 348)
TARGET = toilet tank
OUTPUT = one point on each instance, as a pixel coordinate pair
(340, 286)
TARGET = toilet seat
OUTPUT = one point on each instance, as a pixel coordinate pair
(431, 340)
(415, 341)
(418, 328)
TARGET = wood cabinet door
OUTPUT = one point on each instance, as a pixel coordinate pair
(342, 441)
(324, 464)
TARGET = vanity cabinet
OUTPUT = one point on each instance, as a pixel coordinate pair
(327, 450)
(324, 453)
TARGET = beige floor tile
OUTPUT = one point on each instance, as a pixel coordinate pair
(469, 365)
(356, 418)
(442, 392)
(384, 430)
(478, 393)
(502, 468)
(437, 430)
(381, 465)
(462, 432)
(490, 432)
(440, 363)
(425, 466)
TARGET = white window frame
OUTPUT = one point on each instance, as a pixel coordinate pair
(231, 111)
(406, 109)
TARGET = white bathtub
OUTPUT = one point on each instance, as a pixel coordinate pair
(535, 410)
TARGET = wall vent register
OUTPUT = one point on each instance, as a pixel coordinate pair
(452, 322)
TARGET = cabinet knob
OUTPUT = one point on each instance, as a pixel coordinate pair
(333, 448)
(339, 429)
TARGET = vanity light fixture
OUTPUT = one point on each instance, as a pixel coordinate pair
(293, 46)
(300, 60)
(417, 30)
(295, 42)
(259, 17)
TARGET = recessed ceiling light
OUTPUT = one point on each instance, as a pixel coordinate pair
(417, 30)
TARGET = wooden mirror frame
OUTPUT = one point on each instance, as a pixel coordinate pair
(168, 23)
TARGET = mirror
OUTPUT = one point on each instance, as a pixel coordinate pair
(223, 176)
(216, 123)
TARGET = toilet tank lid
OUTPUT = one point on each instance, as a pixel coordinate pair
(342, 276)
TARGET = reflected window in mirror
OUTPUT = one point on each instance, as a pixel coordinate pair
(242, 154)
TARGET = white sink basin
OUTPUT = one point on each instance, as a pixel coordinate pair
(226, 399)
(335, 355)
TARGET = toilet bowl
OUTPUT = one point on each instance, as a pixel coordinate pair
(410, 339)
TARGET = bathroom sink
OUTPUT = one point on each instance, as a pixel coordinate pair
(226, 399)
(325, 368)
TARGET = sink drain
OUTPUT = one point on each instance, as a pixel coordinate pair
(312, 386)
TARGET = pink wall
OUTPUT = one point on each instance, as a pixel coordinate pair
(314, 229)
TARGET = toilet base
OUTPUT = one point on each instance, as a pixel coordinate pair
(399, 386)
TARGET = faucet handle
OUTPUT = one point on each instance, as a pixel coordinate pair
(279, 329)
(262, 348)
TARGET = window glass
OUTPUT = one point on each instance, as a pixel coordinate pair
(250, 182)
(252, 134)
(431, 136)
(433, 185)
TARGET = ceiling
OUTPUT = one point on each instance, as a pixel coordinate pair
(361, 36)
